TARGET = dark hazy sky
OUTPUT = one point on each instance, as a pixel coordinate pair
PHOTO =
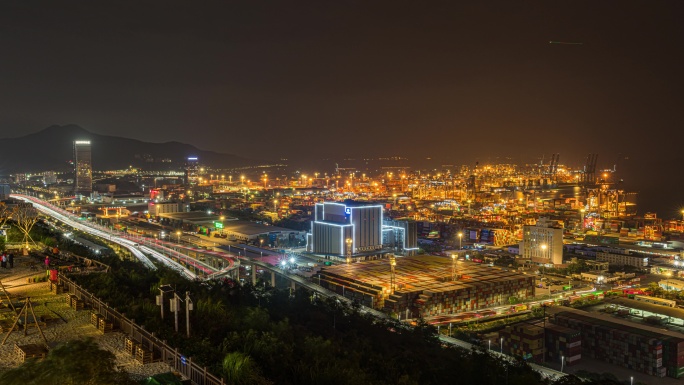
(454, 79)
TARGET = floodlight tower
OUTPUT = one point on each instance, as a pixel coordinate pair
(393, 279)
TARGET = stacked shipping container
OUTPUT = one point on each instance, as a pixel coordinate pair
(673, 356)
(523, 340)
(631, 347)
(425, 285)
(563, 342)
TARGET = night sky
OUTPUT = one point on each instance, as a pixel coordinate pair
(455, 80)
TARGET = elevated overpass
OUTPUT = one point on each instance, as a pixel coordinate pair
(71, 220)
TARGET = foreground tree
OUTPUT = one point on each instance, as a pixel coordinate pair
(26, 216)
(239, 369)
(77, 362)
(5, 214)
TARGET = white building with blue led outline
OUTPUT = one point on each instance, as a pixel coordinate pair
(339, 229)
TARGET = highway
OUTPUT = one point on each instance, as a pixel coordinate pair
(301, 281)
(140, 252)
(174, 250)
(544, 371)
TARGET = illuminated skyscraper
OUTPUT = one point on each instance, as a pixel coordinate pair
(192, 170)
(83, 168)
(358, 231)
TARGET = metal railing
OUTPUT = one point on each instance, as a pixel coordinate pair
(162, 352)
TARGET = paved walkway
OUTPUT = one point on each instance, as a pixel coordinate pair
(65, 323)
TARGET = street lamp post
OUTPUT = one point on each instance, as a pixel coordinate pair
(349, 250)
(460, 237)
(393, 280)
(178, 234)
(490, 344)
(562, 363)
(501, 345)
(453, 267)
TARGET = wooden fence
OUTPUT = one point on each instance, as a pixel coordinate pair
(197, 374)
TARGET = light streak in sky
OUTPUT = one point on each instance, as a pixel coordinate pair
(565, 42)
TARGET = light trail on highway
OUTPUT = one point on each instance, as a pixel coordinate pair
(140, 252)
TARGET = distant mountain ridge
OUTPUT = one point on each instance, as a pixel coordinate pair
(52, 149)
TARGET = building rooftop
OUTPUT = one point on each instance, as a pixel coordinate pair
(657, 309)
(429, 274)
(192, 216)
(614, 322)
(252, 228)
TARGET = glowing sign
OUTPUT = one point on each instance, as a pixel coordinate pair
(82, 142)
(347, 210)
(369, 248)
(218, 225)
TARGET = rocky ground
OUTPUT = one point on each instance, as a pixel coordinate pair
(62, 322)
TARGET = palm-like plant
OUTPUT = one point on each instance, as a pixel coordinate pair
(238, 368)
(77, 362)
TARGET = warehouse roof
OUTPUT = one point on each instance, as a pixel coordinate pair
(430, 274)
(253, 228)
(616, 323)
(664, 310)
(192, 216)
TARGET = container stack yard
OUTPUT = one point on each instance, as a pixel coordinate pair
(563, 342)
(638, 347)
(526, 340)
(673, 356)
(523, 340)
(426, 285)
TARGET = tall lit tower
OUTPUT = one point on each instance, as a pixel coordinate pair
(192, 170)
(393, 277)
(83, 168)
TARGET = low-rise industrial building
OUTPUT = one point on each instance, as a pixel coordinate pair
(188, 220)
(668, 270)
(672, 284)
(252, 232)
(623, 259)
(244, 231)
(639, 347)
(426, 285)
(156, 209)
